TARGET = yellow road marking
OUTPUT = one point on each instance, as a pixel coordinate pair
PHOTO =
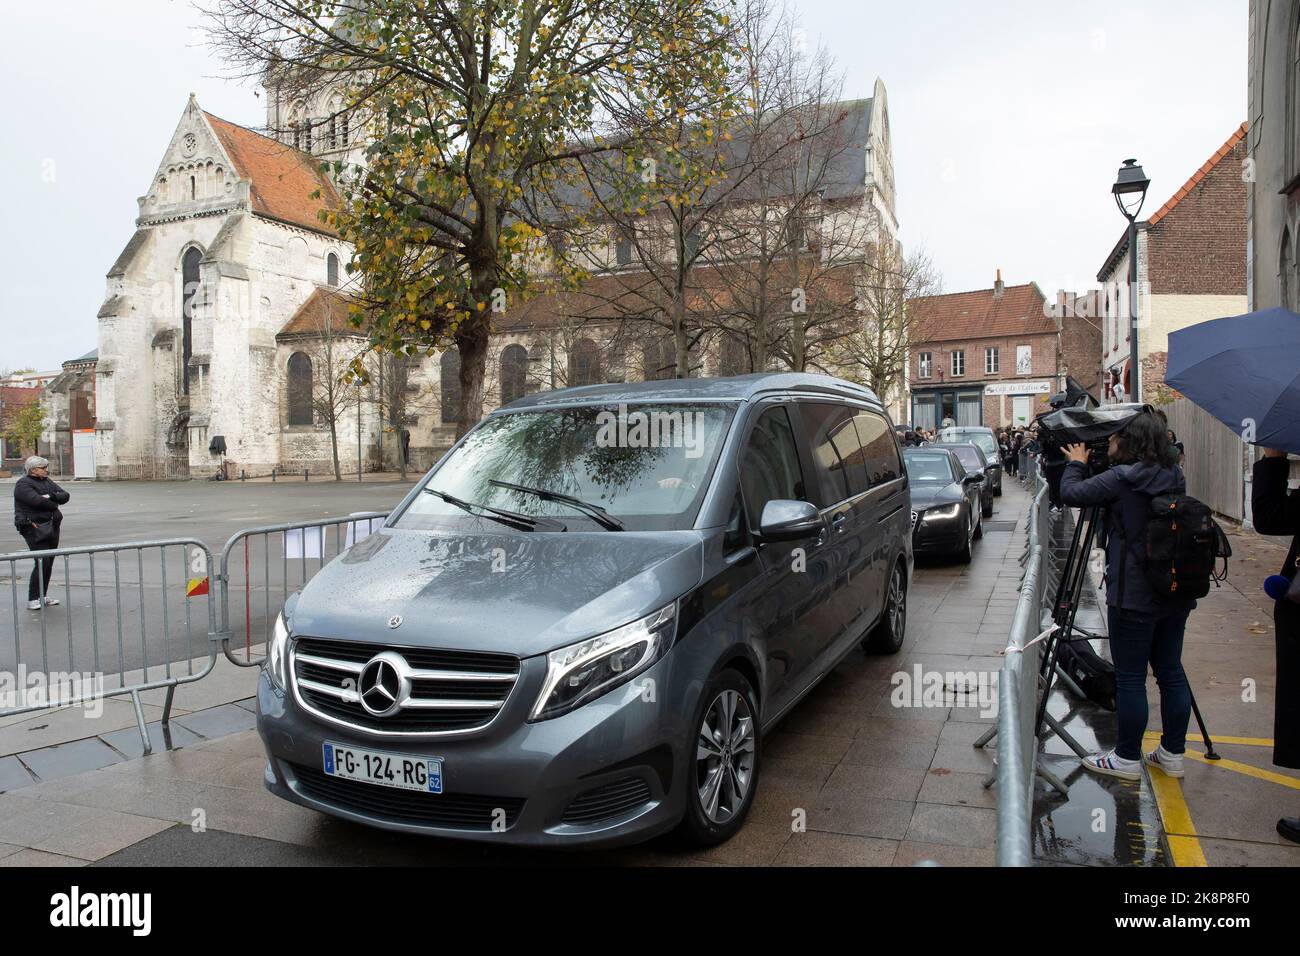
(1245, 768)
(1243, 741)
(1180, 832)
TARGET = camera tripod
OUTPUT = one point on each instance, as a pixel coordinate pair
(1065, 607)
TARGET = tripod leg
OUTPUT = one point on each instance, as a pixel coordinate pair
(1205, 734)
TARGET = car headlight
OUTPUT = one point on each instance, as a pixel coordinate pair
(277, 654)
(581, 672)
(947, 511)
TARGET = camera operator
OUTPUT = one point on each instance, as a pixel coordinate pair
(1143, 626)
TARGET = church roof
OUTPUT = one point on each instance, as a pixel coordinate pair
(323, 306)
(283, 178)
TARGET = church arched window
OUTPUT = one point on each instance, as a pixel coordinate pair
(584, 363)
(1293, 96)
(189, 289)
(332, 269)
(514, 372)
(299, 392)
(449, 368)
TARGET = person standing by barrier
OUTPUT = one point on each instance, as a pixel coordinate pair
(1277, 511)
(37, 518)
(1144, 627)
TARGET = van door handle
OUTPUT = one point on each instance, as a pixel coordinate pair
(839, 521)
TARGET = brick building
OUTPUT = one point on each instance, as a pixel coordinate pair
(1191, 268)
(994, 356)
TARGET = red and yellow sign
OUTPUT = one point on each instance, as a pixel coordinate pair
(196, 587)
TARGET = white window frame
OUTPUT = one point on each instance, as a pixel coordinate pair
(991, 361)
(958, 363)
(924, 365)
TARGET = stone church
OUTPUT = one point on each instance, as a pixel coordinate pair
(225, 312)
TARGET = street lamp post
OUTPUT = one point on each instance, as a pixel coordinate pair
(1130, 191)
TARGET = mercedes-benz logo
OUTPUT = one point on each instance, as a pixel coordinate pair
(395, 621)
(384, 684)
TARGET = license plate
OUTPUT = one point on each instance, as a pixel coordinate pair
(401, 771)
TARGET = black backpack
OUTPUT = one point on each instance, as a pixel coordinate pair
(1094, 675)
(1182, 545)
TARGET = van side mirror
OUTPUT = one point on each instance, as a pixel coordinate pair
(787, 520)
(974, 478)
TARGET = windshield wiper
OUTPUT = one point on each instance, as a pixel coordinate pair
(595, 512)
(511, 518)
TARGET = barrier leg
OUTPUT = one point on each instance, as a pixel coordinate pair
(139, 719)
(167, 706)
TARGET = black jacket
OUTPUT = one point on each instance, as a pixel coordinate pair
(1126, 491)
(31, 504)
(1274, 509)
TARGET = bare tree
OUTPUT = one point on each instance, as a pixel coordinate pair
(335, 350)
(891, 292)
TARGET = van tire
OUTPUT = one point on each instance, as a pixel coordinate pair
(887, 636)
(696, 826)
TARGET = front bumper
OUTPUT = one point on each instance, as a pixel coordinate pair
(941, 536)
(511, 782)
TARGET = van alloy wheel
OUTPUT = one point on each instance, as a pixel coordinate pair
(724, 756)
(897, 609)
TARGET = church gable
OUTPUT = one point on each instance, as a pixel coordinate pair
(196, 172)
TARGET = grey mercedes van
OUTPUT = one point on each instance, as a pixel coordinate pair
(576, 629)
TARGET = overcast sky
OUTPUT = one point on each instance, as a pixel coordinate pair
(1009, 119)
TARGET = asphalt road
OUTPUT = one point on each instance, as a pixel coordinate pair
(154, 621)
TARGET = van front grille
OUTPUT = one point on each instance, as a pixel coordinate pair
(444, 691)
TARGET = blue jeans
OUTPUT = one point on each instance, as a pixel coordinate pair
(1136, 639)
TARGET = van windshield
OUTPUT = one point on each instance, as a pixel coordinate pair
(647, 466)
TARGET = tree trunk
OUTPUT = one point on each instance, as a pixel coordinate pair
(472, 344)
(681, 348)
(334, 448)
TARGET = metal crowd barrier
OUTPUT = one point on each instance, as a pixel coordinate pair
(134, 617)
(1017, 750)
(261, 567)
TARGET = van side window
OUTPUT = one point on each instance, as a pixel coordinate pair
(769, 468)
(879, 450)
(837, 453)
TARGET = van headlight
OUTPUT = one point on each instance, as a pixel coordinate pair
(938, 514)
(277, 654)
(581, 672)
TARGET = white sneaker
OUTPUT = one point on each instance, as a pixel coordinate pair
(50, 602)
(34, 605)
(1111, 764)
(1169, 763)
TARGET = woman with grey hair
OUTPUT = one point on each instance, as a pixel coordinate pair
(37, 518)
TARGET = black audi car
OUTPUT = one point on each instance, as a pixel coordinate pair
(946, 513)
(973, 459)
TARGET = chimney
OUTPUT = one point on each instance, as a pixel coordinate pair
(998, 286)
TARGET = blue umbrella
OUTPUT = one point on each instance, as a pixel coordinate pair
(1245, 371)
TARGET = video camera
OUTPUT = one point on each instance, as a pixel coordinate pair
(1088, 426)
